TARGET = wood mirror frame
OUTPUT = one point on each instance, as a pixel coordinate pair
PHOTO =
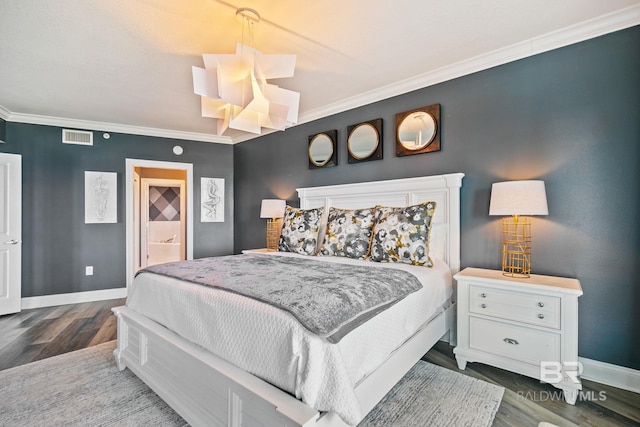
(328, 159)
(426, 142)
(374, 128)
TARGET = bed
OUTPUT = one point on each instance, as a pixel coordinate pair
(177, 354)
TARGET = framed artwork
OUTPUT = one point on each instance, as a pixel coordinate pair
(100, 197)
(211, 199)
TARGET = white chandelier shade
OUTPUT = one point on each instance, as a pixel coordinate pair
(234, 90)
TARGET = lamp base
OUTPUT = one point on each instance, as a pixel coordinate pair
(516, 247)
(274, 227)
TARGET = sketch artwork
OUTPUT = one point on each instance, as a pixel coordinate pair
(100, 197)
(212, 199)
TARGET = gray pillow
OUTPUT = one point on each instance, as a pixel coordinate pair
(348, 233)
(299, 232)
(402, 234)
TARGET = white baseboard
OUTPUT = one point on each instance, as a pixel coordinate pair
(612, 375)
(72, 298)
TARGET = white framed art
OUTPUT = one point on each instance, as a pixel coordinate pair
(100, 197)
(211, 199)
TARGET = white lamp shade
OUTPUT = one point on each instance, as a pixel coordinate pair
(272, 208)
(518, 198)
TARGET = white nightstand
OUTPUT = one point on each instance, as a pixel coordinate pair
(257, 251)
(528, 326)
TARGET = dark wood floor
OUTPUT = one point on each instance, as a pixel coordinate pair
(40, 333)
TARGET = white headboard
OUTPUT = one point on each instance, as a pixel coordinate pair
(443, 189)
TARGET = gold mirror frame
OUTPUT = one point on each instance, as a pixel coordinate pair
(421, 136)
(330, 159)
(372, 136)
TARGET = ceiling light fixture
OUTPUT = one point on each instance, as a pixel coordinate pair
(234, 88)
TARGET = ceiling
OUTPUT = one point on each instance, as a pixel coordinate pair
(125, 65)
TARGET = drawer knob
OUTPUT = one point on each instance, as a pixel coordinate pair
(483, 295)
(540, 316)
(483, 305)
(511, 341)
(540, 304)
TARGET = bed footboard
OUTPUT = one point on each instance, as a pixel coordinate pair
(209, 391)
(204, 389)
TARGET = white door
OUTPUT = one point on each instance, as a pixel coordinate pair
(10, 232)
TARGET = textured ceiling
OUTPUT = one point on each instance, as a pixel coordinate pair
(128, 62)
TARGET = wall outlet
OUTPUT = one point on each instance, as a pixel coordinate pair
(88, 270)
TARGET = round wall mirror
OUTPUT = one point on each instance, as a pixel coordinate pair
(320, 149)
(363, 141)
(417, 130)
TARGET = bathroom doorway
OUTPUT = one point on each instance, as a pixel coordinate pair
(159, 213)
(162, 220)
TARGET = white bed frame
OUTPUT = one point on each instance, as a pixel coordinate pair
(208, 391)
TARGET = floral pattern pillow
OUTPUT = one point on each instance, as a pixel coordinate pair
(348, 233)
(299, 232)
(402, 234)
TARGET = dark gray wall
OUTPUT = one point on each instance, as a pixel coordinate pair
(570, 117)
(3, 129)
(57, 244)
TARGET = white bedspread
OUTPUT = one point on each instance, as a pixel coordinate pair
(273, 345)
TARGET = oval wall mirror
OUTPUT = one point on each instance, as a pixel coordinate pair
(364, 141)
(322, 149)
(417, 131)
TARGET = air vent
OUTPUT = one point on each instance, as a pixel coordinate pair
(79, 137)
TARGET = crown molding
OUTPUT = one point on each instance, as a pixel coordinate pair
(615, 21)
(605, 24)
(4, 113)
(113, 127)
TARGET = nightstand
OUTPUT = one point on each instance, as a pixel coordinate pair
(257, 251)
(524, 325)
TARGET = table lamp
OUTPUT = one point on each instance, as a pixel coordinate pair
(516, 198)
(273, 209)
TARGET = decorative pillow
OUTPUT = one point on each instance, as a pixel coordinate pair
(348, 233)
(402, 234)
(299, 232)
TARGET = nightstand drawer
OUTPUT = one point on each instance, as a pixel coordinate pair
(515, 342)
(536, 309)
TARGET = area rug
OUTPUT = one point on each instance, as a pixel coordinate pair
(84, 388)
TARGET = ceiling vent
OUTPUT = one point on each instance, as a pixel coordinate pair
(79, 137)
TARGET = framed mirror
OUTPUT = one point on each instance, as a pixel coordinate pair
(322, 150)
(418, 131)
(364, 141)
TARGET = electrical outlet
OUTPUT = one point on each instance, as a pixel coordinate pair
(88, 270)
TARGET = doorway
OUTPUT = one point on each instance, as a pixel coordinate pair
(162, 219)
(159, 213)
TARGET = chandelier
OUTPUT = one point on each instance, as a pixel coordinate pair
(234, 88)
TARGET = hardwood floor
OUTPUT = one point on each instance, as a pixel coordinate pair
(40, 333)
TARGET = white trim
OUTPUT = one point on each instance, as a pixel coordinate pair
(612, 375)
(129, 214)
(72, 298)
(596, 27)
(114, 127)
(4, 113)
(601, 25)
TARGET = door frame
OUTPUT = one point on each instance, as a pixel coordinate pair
(131, 164)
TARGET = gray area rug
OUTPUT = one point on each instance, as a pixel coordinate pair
(84, 388)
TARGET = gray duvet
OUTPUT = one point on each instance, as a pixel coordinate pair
(328, 299)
